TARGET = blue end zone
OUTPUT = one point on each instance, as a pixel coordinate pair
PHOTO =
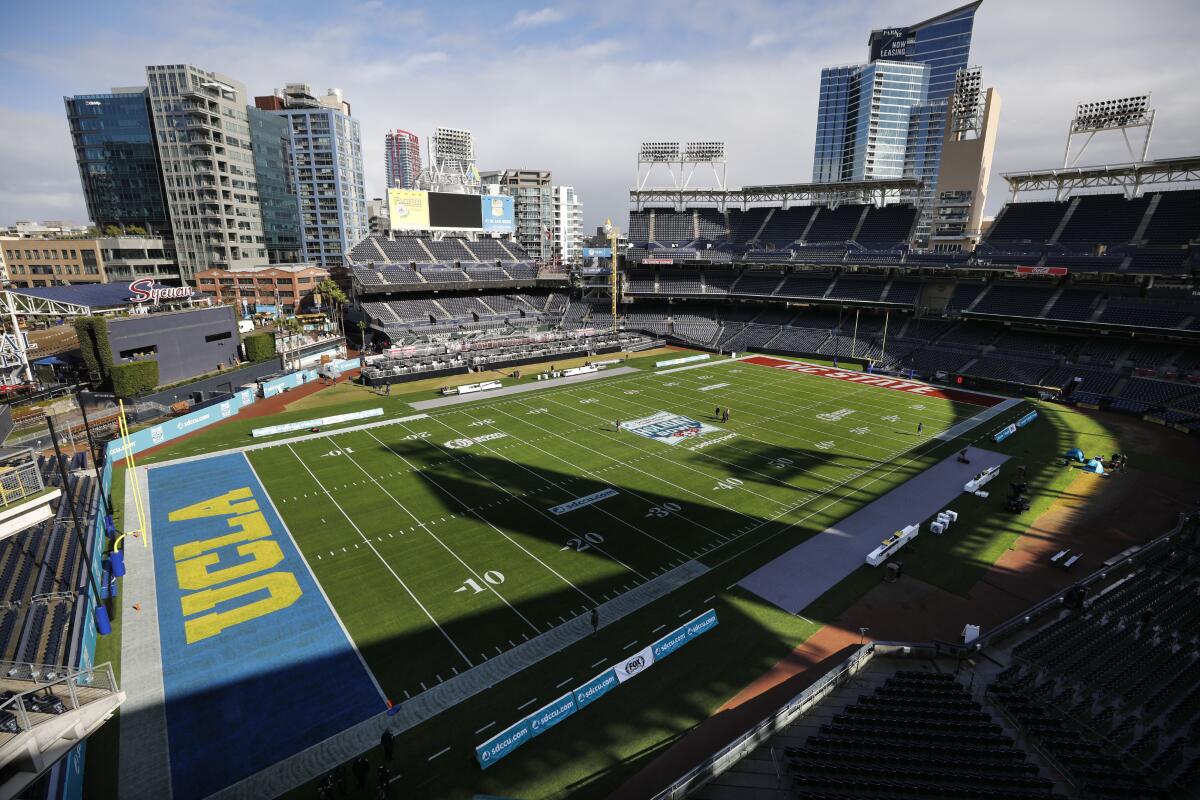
(255, 665)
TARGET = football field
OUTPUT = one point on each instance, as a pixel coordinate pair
(445, 540)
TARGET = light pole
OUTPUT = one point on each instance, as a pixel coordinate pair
(612, 233)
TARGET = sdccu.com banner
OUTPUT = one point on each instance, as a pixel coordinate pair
(555, 712)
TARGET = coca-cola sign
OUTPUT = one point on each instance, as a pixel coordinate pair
(144, 291)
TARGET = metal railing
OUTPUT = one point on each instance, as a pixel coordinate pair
(733, 752)
(54, 690)
(19, 481)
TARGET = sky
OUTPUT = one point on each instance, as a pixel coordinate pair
(575, 87)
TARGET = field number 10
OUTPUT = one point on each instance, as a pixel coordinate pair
(491, 576)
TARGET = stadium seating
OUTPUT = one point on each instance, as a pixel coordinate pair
(712, 224)
(834, 224)
(1025, 223)
(786, 225)
(757, 282)
(804, 284)
(887, 226)
(1176, 220)
(744, 225)
(1074, 304)
(1103, 219)
(1014, 301)
(673, 228)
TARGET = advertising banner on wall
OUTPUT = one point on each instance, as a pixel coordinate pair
(549, 715)
(498, 215)
(408, 209)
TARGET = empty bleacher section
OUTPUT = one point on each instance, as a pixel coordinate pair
(1108, 219)
(492, 350)
(887, 227)
(41, 572)
(1025, 223)
(787, 225)
(1176, 220)
(1014, 301)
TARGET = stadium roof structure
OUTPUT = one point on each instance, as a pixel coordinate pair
(69, 301)
(1130, 178)
(873, 190)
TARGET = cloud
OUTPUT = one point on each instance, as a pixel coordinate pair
(579, 103)
(543, 16)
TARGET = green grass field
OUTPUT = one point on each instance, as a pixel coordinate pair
(434, 538)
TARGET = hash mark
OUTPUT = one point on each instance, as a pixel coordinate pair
(527, 703)
(435, 755)
(564, 683)
(485, 727)
(598, 663)
(631, 644)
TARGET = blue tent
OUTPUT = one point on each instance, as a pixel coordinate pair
(49, 361)
(1075, 454)
(1094, 466)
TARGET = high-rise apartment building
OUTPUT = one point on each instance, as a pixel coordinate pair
(402, 159)
(271, 137)
(566, 243)
(847, 125)
(201, 122)
(117, 156)
(533, 206)
(327, 170)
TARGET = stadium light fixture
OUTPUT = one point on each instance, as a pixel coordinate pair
(659, 152)
(1114, 114)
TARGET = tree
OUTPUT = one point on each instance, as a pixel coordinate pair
(112, 230)
(136, 230)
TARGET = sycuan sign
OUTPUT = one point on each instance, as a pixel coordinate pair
(555, 712)
(144, 291)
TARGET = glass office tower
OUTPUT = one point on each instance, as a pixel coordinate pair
(118, 161)
(863, 120)
(846, 128)
(270, 135)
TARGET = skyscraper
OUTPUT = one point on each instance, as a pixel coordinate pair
(863, 120)
(203, 135)
(118, 159)
(270, 135)
(402, 159)
(566, 243)
(847, 129)
(327, 169)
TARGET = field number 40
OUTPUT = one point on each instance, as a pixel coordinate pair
(491, 576)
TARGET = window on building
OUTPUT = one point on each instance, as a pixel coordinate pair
(216, 337)
(136, 353)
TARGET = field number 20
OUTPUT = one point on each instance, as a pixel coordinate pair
(665, 510)
(581, 543)
(491, 576)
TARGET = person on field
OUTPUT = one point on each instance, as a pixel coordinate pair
(618, 424)
(717, 413)
(920, 427)
(725, 415)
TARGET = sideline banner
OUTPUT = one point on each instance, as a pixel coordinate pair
(672, 362)
(174, 428)
(551, 714)
(287, 427)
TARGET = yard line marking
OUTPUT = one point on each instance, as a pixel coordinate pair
(512, 541)
(526, 704)
(710, 597)
(439, 677)
(598, 663)
(564, 683)
(659, 628)
(455, 670)
(406, 696)
(684, 614)
(386, 565)
(631, 644)
(441, 752)
(485, 727)
(447, 548)
(730, 586)
(498, 650)
(424, 688)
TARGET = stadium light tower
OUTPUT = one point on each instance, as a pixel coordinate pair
(653, 154)
(451, 163)
(1117, 114)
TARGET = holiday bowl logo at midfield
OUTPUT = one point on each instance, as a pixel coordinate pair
(668, 428)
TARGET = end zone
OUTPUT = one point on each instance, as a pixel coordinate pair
(255, 665)
(882, 381)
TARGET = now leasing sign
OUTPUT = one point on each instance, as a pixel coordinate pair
(556, 711)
